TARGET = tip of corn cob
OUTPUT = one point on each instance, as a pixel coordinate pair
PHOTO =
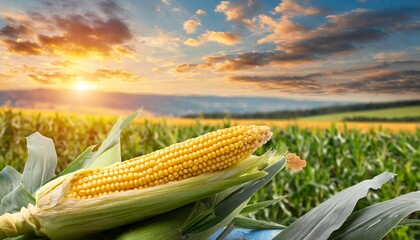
(207, 153)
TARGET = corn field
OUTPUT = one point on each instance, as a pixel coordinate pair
(336, 158)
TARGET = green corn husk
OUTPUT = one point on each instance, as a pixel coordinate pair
(201, 219)
(63, 218)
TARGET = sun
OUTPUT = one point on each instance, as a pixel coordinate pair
(82, 86)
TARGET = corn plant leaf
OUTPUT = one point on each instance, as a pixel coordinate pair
(41, 163)
(28, 237)
(108, 153)
(249, 223)
(374, 222)
(321, 221)
(77, 163)
(237, 198)
(161, 227)
(15, 200)
(409, 222)
(198, 214)
(250, 208)
(108, 157)
(10, 178)
(229, 228)
(112, 140)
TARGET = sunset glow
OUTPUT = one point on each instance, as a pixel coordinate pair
(81, 86)
(317, 49)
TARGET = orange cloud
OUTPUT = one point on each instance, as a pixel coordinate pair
(376, 81)
(116, 74)
(283, 29)
(297, 44)
(4, 76)
(183, 68)
(214, 59)
(232, 12)
(283, 83)
(200, 12)
(240, 11)
(15, 31)
(168, 42)
(176, 10)
(70, 35)
(290, 8)
(64, 63)
(224, 38)
(21, 47)
(51, 78)
(191, 25)
(99, 75)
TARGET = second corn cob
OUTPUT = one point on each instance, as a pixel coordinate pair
(210, 152)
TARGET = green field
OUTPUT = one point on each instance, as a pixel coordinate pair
(398, 112)
(336, 159)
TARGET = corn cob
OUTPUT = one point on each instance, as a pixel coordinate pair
(64, 211)
(208, 153)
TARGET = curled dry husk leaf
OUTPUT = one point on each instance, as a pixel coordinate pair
(294, 163)
(63, 218)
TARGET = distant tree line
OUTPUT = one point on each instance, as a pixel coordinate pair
(381, 119)
(308, 112)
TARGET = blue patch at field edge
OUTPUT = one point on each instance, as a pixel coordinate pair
(248, 234)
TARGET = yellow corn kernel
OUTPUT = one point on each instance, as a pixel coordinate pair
(207, 153)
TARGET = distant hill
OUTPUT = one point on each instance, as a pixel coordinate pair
(394, 114)
(157, 105)
(329, 112)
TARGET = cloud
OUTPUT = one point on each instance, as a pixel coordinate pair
(384, 81)
(298, 44)
(364, 18)
(214, 59)
(240, 11)
(200, 12)
(183, 68)
(390, 56)
(51, 77)
(344, 32)
(248, 60)
(21, 47)
(375, 82)
(99, 75)
(15, 31)
(396, 63)
(4, 76)
(110, 8)
(64, 63)
(224, 38)
(162, 41)
(157, 9)
(290, 8)
(190, 26)
(411, 26)
(283, 30)
(166, 2)
(116, 74)
(285, 83)
(74, 34)
(176, 10)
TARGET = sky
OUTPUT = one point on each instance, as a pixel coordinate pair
(366, 50)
